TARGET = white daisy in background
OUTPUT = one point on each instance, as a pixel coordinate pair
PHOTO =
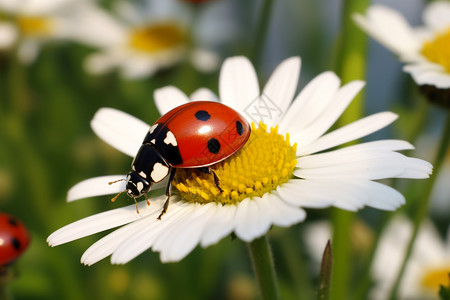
(425, 49)
(154, 35)
(277, 173)
(27, 24)
(426, 270)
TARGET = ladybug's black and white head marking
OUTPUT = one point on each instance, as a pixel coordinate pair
(136, 185)
(148, 167)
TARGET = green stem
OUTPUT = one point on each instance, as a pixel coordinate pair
(261, 32)
(422, 208)
(262, 260)
(350, 65)
(420, 121)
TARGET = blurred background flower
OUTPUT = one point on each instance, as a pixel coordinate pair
(427, 269)
(27, 24)
(153, 35)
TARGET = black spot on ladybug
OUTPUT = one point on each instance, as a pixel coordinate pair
(239, 127)
(13, 222)
(16, 243)
(202, 115)
(213, 146)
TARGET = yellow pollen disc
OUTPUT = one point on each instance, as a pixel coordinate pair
(435, 277)
(266, 161)
(438, 50)
(35, 26)
(157, 37)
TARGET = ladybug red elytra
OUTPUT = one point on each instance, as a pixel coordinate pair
(194, 135)
(14, 238)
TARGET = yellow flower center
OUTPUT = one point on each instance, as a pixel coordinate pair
(157, 37)
(35, 26)
(266, 161)
(438, 50)
(434, 277)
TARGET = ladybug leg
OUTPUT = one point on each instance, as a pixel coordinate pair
(168, 193)
(208, 170)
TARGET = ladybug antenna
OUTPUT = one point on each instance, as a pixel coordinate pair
(116, 196)
(135, 202)
(112, 182)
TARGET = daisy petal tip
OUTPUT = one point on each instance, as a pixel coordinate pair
(295, 61)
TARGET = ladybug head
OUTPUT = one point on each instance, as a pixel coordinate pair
(136, 185)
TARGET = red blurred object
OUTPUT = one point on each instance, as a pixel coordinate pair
(14, 238)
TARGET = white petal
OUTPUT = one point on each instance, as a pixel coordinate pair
(188, 233)
(281, 213)
(245, 220)
(390, 29)
(374, 166)
(121, 130)
(238, 83)
(281, 86)
(102, 221)
(203, 94)
(329, 116)
(303, 193)
(316, 235)
(99, 186)
(10, 6)
(146, 237)
(169, 97)
(102, 62)
(338, 193)
(8, 35)
(28, 51)
(96, 186)
(416, 168)
(108, 244)
(310, 103)
(261, 221)
(134, 67)
(43, 7)
(350, 132)
(382, 196)
(437, 15)
(431, 74)
(89, 24)
(205, 60)
(353, 153)
(348, 194)
(219, 226)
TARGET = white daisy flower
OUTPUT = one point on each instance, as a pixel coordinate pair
(27, 24)
(427, 268)
(424, 49)
(154, 35)
(276, 174)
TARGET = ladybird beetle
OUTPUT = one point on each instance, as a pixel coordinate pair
(14, 239)
(194, 135)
